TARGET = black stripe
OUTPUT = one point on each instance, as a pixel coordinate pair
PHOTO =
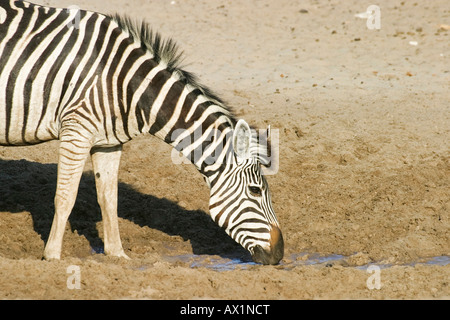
(84, 116)
(117, 55)
(248, 239)
(93, 104)
(6, 55)
(231, 204)
(42, 16)
(137, 79)
(181, 123)
(168, 107)
(234, 215)
(10, 45)
(249, 209)
(149, 96)
(257, 212)
(124, 106)
(10, 15)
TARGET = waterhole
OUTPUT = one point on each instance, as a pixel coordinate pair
(291, 261)
(226, 264)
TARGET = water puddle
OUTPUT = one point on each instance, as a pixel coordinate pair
(211, 262)
(439, 261)
(218, 263)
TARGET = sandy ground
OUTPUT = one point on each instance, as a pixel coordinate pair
(363, 118)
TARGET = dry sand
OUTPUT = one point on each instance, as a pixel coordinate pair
(363, 119)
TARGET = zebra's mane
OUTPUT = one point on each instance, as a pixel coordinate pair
(165, 51)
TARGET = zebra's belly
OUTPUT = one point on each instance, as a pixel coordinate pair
(27, 105)
(28, 138)
(20, 126)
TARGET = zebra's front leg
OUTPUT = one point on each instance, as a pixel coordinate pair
(72, 157)
(106, 169)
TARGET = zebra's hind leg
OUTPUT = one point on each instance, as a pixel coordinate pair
(105, 162)
(73, 153)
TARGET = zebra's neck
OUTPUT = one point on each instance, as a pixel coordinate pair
(168, 102)
(184, 116)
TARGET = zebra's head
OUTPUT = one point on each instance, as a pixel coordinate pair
(240, 198)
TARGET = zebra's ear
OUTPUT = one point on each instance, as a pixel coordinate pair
(242, 137)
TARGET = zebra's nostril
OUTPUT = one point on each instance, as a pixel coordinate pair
(273, 256)
(259, 255)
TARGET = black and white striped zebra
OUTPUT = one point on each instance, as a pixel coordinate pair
(94, 82)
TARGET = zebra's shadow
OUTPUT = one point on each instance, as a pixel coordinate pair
(30, 186)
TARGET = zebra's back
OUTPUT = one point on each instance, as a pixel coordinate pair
(49, 58)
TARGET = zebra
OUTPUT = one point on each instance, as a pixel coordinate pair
(96, 81)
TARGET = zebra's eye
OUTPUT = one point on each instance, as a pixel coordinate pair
(255, 191)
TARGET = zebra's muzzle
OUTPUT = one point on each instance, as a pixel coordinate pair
(276, 251)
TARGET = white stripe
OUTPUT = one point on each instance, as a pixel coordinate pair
(200, 99)
(11, 32)
(3, 15)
